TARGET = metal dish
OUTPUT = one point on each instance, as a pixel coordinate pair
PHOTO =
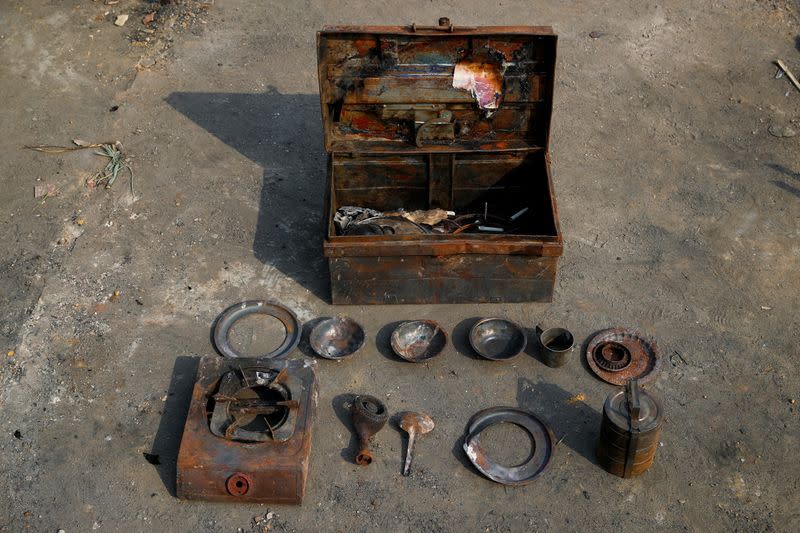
(418, 340)
(337, 337)
(497, 339)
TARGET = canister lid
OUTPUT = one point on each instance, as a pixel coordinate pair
(617, 410)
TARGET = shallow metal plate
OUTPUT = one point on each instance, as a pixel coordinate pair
(337, 337)
(497, 339)
(418, 340)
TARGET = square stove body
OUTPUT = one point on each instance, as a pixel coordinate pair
(248, 431)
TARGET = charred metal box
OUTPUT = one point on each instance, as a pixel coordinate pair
(247, 435)
(424, 117)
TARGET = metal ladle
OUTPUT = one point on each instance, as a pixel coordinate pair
(414, 424)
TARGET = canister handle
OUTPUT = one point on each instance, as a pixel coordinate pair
(634, 403)
(634, 409)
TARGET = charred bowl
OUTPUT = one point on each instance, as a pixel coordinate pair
(337, 337)
(418, 340)
(497, 339)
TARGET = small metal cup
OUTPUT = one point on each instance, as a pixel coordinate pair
(557, 345)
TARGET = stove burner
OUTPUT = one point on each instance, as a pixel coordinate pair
(612, 356)
(253, 409)
(247, 435)
(620, 354)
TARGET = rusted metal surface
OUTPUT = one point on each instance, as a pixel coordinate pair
(418, 340)
(337, 337)
(414, 424)
(497, 339)
(400, 135)
(362, 69)
(618, 355)
(441, 279)
(369, 415)
(630, 431)
(231, 315)
(247, 435)
(557, 345)
(543, 445)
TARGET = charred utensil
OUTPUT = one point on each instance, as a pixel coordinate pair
(234, 313)
(414, 424)
(418, 340)
(369, 415)
(542, 440)
(557, 346)
(497, 339)
(335, 338)
(618, 355)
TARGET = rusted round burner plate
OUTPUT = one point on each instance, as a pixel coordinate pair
(644, 357)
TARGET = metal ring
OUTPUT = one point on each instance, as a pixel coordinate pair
(235, 312)
(541, 436)
(645, 359)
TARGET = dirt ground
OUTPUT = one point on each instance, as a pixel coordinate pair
(677, 173)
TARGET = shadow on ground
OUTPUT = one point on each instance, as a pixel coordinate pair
(791, 189)
(574, 423)
(164, 453)
(283, 134)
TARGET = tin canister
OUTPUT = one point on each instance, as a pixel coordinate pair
(557, 346)
(629, 433)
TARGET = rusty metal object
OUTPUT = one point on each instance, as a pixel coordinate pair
(400, 136)
(542, 439)
(247, 435)
(337, 337)
(231, 315)
(396, 225)
(369, 415)
(629, 433)
(414, 424)
(497, 339)
(618, 355)
(557, 346)
(418, 340)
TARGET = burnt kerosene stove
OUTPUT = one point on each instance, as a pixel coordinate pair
(248, 431)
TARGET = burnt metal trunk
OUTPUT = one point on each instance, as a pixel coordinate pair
(402, 133)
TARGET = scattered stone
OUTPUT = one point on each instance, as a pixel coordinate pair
(782, 131)
(149, 18)
(596, 34)
(121, 20)
(147, 62)
(17, 434)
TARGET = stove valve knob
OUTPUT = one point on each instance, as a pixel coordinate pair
(238, 484)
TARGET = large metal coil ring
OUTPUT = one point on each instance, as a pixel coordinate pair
(235, 312)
